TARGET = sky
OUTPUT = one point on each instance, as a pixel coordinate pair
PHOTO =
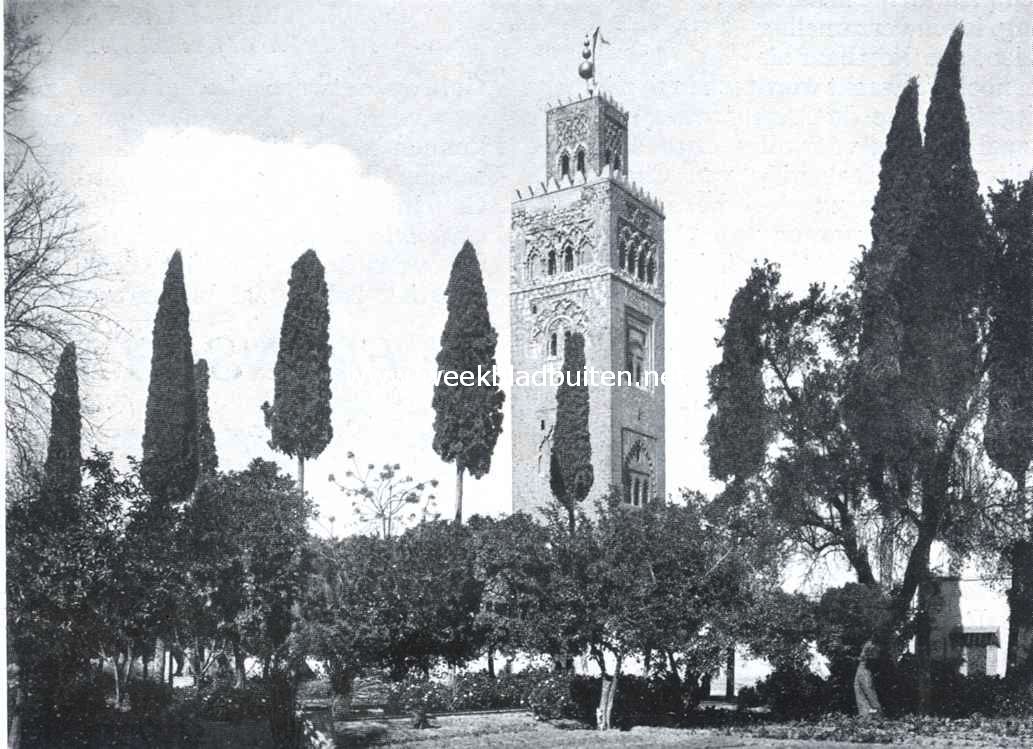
(382, 135)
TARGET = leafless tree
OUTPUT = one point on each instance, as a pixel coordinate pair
(384, 498)
(50, 274)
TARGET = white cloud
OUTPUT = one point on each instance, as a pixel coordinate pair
(241, 211)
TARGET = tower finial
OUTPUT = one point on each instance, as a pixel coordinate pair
(587, 68)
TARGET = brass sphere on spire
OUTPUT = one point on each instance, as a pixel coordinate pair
(586, 70)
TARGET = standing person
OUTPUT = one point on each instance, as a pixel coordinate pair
(868, 705)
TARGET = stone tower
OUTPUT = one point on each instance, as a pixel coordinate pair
(587, 255)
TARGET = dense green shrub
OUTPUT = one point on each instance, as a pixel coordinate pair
(795, 693)
(149, 698)
(79, 700)
(748, 698)
(562, 695)
(650, 699)
(908, 731)
(418, 694)
(65, 713)
(230, 703)
(1014, 700)
(473, 691)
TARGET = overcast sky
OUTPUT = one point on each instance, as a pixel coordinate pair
(382, 135)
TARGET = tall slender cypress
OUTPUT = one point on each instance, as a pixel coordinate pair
(299, 417)
(169, 468)
(467, 417)
(875, 399)
(942, 309)
(207, 457)
(739, 429)
(62, 472)
(944, 274)
(1009, 421)
(571, 475)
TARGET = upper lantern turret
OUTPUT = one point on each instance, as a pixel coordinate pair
(586, 136)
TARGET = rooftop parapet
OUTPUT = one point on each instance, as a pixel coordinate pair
(556, 184)
(601, 95)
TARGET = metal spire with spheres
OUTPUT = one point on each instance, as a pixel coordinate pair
(587, 68)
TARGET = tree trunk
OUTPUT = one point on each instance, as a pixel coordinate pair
(1020, 612)
(491, 662)
(923, 649)
(14, 730)
(196, 659)
(238, 666)
(122, 673)
(604, 714)
(281, 709)
(459, 493)
(118, 682)
(730, 673)
(886, 555)
(301, 475)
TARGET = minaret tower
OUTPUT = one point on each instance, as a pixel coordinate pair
(587, 255)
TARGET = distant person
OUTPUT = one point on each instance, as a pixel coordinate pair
(864, 685)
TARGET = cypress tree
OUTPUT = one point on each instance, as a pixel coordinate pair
(944, 273)
(299, 417)
(942, 310)
(738, 430)
(875, 400)
(570, 464)
(207, 457)
(168, 470)
(62, 472)
(1008, 435)
(467, 418)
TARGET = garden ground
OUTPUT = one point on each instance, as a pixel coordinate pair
(504, 731)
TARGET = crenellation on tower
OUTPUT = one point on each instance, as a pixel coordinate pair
(587, 255)
(553, 184)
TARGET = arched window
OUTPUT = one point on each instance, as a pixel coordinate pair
(552, 345)
(635, 353)
(532, 266)
(632, 258)
(617, 162)
(568, 258)
(651, 270)
(581, 160)
(579, 256)
(551, 266)
(607, 155)
(640, 271)
(565, 165)
(637, 475)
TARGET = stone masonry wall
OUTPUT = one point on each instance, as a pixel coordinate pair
(594, 299)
